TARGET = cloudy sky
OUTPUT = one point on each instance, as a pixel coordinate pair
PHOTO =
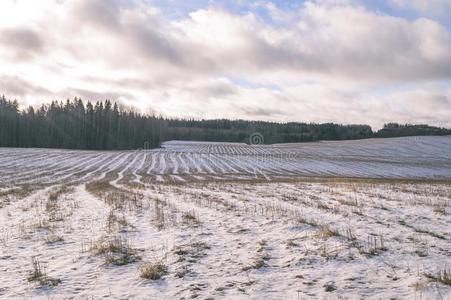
(356, 61)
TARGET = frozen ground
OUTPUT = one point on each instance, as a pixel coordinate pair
(207, 220)
(411, 157)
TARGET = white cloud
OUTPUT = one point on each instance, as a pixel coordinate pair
(325, 59)
(440, 9)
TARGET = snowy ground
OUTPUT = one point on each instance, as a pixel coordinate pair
(229, 221)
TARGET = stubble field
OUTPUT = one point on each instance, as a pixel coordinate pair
(354, 219)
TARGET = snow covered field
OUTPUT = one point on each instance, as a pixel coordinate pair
(411, 157)
(350, 219)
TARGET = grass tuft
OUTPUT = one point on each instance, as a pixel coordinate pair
(258, 263)
(117, 251)
(153, 270)
(53, 239)
(442, 276)
(39, 275)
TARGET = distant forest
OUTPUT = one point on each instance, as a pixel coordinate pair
(103, 125)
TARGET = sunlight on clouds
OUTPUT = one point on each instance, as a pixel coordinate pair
(319, 62)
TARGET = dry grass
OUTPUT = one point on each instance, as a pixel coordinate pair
(189, 218)
(115, 222)
(440, 210)
(305, 220)
(442, 276)
(291, 243)
(261, 245)
(330, 287)
(431, 233)
(97, 188)
(117, 251)
(41, 224)
(192, 251)
(159, 219)
(353, 203)
(39, 275)
(19, 192)
(56, 194)
(323, 206)
(153, 270)
(52, 205)
(53, 239)
(327, 232)
(117, 198)
(258, 263)
(374, 245)
(123, 199)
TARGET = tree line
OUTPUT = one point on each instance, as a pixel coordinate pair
(104, 125)
(395, 129)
